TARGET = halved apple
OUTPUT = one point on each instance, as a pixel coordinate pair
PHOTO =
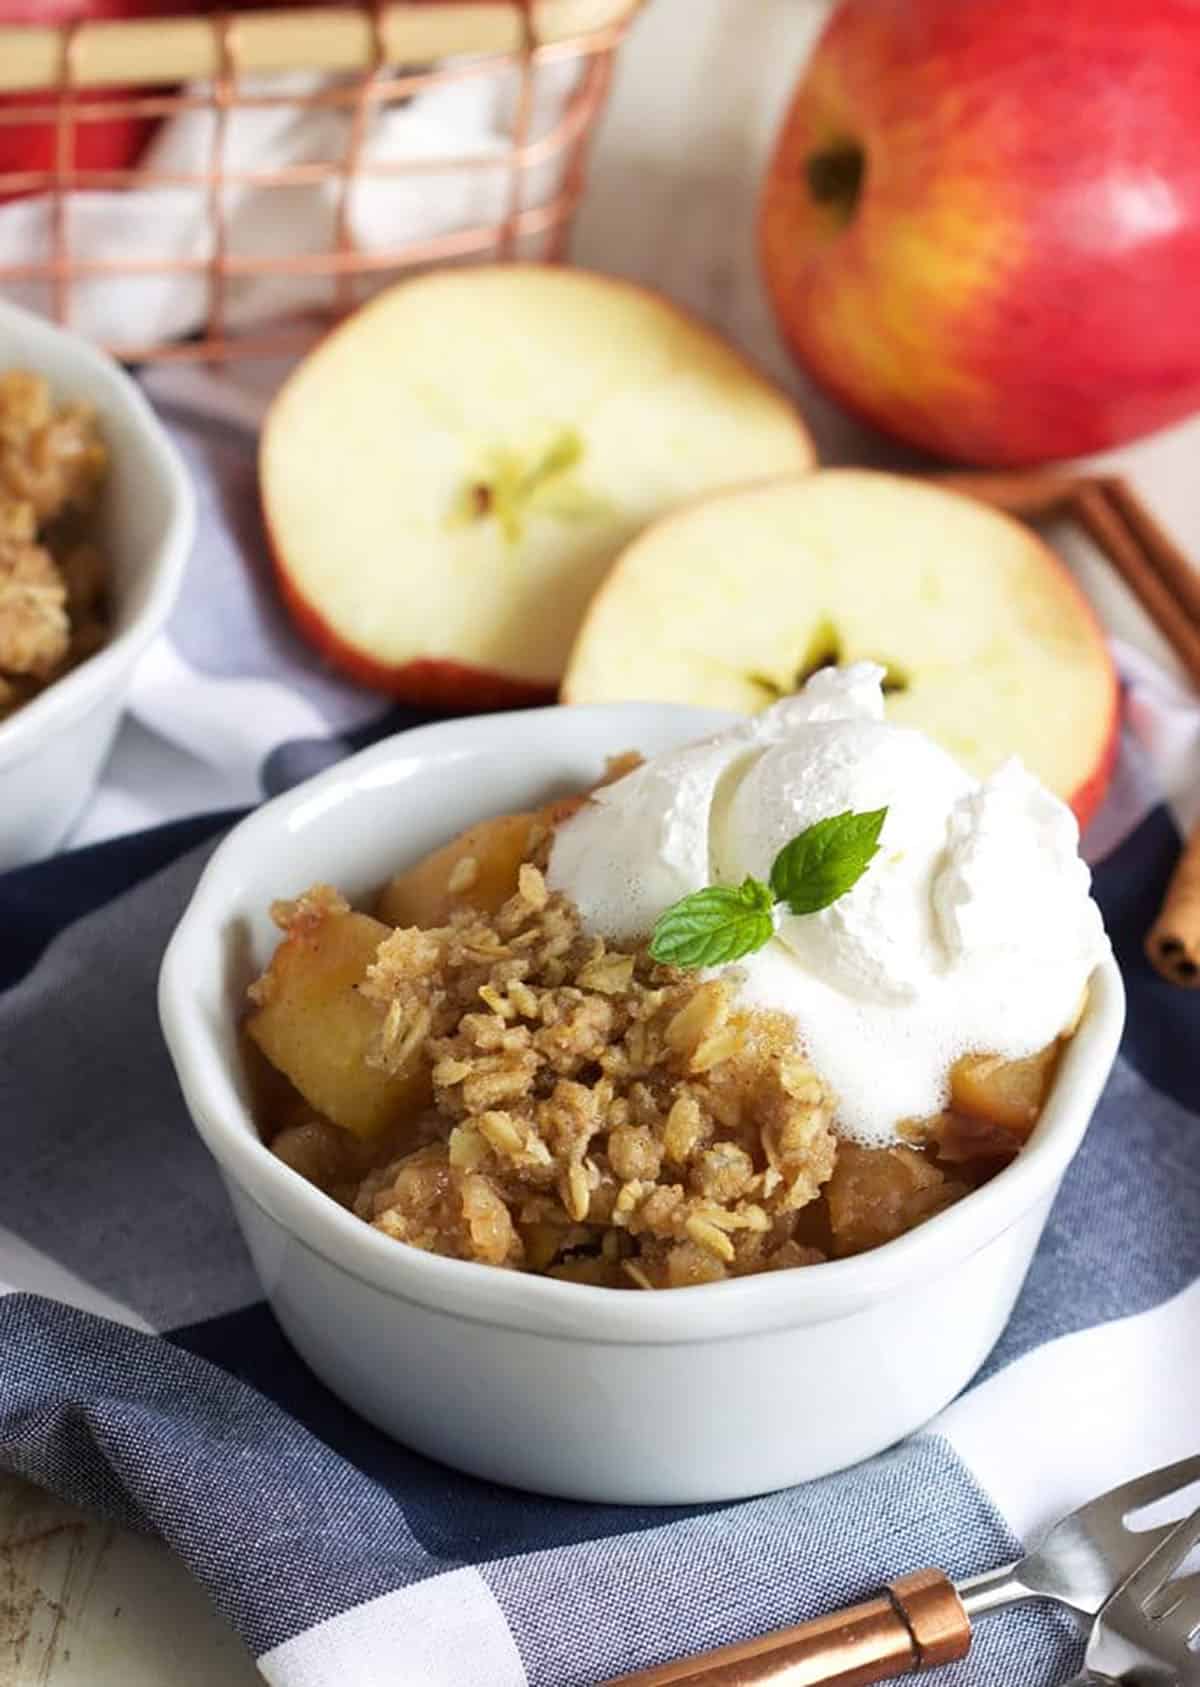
(448, 477)
(988, 643)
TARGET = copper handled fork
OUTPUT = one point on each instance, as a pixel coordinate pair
(925, 1619)
(1144, 1631)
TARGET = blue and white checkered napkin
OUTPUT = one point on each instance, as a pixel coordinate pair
(141, 1374)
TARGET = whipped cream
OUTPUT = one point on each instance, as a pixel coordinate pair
(973, 929)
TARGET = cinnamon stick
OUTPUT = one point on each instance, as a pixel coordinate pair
(1173, 946)
(1181, 575)
(1154, 568)
(1032, 493)
(1140, 571)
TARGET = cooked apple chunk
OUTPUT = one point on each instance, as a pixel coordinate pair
(316, 1027)
(1006, 1093)
(477, 869)
(876, 1194)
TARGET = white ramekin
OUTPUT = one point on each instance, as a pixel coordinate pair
(52, 750)
(699, 1394)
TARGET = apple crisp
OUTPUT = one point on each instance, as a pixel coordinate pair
(493, 1084)
(53, 609)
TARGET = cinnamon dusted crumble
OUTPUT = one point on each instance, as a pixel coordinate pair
(52, 582)
(593, 1115)
(35, 632)
(301, 912)
(604, 1118)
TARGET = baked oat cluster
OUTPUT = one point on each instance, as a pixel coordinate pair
(52, 579)
(590, 1114)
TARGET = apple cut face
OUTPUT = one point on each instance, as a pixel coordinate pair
(988, 644)
(448, 477)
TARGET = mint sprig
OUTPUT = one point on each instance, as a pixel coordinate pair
(714, 926)
(826, 860)
(721, 923)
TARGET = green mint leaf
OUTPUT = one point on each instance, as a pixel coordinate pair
(826, 860)
(714, 926)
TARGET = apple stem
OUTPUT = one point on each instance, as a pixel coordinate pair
(835, 177)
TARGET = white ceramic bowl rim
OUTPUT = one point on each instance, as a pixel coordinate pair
(542, 1304)
(76, 691)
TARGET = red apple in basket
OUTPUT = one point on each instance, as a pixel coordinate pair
(981, 225)
(448, 476)
(103, 143)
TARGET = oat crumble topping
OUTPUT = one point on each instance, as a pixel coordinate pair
(603, 1117)
(52, 582)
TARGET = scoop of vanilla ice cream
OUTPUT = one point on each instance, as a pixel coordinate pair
(1010, 835)
(879, 939)
(643, 842)
(972, 930)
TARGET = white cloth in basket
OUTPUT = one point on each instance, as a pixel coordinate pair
(459, 124)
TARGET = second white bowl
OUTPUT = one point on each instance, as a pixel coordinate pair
(52, 750)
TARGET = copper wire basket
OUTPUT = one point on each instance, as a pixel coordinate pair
(365, 59)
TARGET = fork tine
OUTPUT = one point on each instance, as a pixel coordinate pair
(1178, 1601)
(1151, 1574)
(1144, 1490)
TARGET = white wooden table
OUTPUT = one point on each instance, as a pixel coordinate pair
(672, 202)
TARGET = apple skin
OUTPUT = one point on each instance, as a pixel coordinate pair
(1085, 803)
(105, 143)
(1014, 280)
(100, 144)
(1087, 799)
(430, 682)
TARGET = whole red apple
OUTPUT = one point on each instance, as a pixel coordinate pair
(102, 143)
(981, 225)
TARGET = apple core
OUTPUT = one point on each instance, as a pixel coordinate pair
(825, 649)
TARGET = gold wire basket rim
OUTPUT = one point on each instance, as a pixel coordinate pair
(163, 50)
